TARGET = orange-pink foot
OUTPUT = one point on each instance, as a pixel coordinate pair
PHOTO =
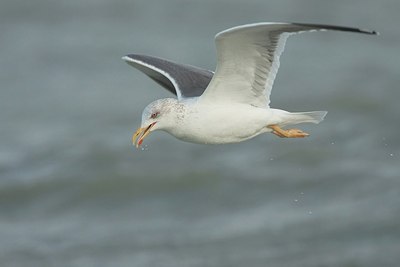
(290, 133)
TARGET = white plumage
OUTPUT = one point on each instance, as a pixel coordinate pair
(231, 105)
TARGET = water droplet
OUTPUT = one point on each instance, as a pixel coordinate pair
(271, 159)
(301, 193)
(391, 154)
(310, 212)
(332, 143)
(296, 200)
(144, 148)
(384, 141)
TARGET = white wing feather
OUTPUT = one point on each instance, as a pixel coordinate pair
(248, 60)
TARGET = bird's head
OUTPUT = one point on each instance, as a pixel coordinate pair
(156, 116)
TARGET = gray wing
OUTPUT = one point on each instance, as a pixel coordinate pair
(248, 60)
(181, 80)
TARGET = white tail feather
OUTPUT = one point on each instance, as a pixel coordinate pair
(303, 117)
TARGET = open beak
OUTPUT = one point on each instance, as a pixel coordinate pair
(140, 134)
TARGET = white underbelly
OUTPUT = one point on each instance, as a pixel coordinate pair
(220, 125)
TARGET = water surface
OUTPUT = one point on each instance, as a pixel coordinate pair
(74, 192)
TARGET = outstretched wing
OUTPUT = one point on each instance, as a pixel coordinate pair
(248, 60)
(181, 80)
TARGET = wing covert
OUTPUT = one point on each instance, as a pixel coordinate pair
(248, 60)
(180, 79)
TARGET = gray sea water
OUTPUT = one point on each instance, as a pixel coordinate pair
(74, 192)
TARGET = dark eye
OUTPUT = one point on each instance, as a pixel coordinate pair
(155, 115)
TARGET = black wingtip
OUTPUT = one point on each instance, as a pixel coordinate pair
(367, 31)
(375, 33)
(338, 28)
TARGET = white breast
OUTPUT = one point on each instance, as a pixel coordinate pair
(218, 124)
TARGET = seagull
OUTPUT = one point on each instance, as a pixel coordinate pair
(231, 104)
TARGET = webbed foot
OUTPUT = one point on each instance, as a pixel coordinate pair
(290, 133)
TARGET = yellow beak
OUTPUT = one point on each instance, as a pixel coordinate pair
(140, 134)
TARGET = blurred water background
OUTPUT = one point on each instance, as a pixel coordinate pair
(74, 192)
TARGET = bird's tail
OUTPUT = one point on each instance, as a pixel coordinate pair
(303, 117)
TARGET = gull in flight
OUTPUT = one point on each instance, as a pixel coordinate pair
(232, 104)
